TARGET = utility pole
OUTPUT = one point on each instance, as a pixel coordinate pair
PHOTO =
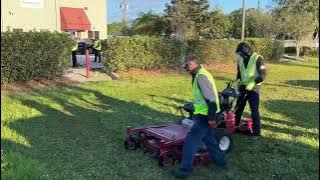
(124, 8)
(258, 5)
(243, 20)
(2, 29)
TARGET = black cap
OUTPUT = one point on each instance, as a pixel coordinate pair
(244, 49)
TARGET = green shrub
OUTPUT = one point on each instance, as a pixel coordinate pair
(145, 52)
(311, 52)
(214, 51)
(141, 52)
(34, 55)
(222, 50)
(271, 50)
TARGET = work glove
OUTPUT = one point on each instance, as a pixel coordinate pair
(212, 123)
(250, 86)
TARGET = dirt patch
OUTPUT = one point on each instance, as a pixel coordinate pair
(153, 72)
(224, 68)
(72, 77)
(28, 87)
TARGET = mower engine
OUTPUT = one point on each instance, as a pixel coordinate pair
(227, 97)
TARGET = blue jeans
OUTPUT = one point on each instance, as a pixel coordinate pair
(201, 132)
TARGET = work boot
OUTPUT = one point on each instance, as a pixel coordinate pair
(180, 174)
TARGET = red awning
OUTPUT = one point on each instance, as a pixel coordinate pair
(74, 19)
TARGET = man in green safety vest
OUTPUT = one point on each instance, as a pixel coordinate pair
(206, 105)
(74, 54)
(97, 49)
(250, 74)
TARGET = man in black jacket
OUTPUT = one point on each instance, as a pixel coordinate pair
(251, 72)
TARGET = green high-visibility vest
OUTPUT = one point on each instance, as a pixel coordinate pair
(97, 45)
(75, 48)
(249, 74)
(199, 103)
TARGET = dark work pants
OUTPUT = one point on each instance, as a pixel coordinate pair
(253, 99)
(97, 54)
(74, 59)
(201, 132)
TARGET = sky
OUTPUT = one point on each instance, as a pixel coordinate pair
(157, 6)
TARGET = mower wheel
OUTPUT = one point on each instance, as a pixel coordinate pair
(132, 143)
(224, 140)
(167, 160)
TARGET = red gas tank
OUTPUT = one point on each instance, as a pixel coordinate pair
(230, 121)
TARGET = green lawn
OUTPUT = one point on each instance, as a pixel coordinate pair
(77, 131)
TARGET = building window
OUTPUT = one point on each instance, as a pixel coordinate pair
(97, 34)
(79, 34)
(91, 34)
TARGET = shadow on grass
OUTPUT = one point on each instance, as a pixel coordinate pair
(303, 114)
(224, 78)
(84, 139)
(313, 84)
(176, 100)
(298, 65)
(290, 84)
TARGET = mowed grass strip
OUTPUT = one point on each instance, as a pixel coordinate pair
(77, 131)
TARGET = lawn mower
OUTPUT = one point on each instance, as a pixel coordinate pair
(165, 142)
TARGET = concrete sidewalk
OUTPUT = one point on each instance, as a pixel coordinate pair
(81, 59)
(79, 74)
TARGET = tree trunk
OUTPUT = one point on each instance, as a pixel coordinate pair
(297, 49)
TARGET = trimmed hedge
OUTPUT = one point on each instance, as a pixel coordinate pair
(141, 52)
(223, 50)
(146, 52)
(34, 55)
(311, 52)
(214, 51)
(271, 50)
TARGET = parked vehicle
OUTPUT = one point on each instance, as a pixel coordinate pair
(83, 45)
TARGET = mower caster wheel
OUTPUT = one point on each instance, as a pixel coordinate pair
(167, 159)
(132, 143)
(224, 140)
